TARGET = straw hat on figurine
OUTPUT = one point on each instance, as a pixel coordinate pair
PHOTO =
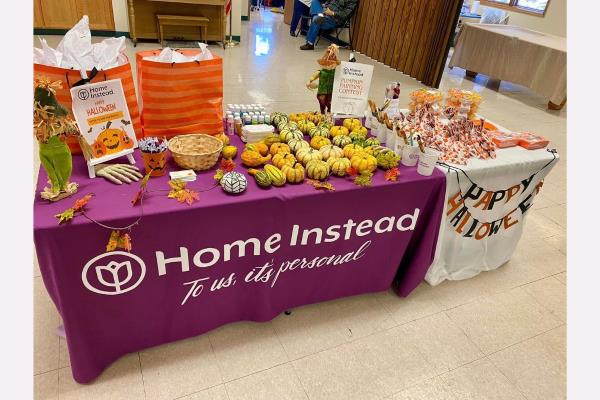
(330, 57)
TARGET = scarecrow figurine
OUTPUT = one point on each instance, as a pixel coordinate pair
(51, 123)
(325, 75)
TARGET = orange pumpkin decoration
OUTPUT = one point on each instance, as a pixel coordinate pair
(114, 140)
(98, 149)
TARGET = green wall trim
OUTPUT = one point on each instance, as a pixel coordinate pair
(245, 18)
(234, 37)
(44, 31)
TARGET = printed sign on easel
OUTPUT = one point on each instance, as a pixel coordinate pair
(101, 112)
(351, 88)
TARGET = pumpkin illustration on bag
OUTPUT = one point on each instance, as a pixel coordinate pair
(277, 177)
(281, 159)
(331, 151)
(341, 141)
(252, 158)
(317, 169)
(306, 155)
(279, 148)
(114, 140)
(293, 173)
(339, 166)
(363, 162)
(319, 141)
(350, 149)
(297, 144)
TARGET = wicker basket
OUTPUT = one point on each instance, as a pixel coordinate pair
(196, 151)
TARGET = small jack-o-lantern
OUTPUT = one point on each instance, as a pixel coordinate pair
(154, 163)
(98, 149)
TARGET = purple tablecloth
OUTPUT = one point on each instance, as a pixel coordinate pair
(187, 274)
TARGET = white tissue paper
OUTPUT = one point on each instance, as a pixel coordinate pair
(168, 55)
(76, 50)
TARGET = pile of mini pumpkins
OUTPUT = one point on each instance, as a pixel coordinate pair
(331, 150)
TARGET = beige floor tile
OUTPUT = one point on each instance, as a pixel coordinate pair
(558, 214)
(555, 192)
(540, 226)
(45, 322)
(63, 353)
(442, 343)
(36, 264)
(45, 386)
(562, 277)
(558, 241)
(369, 368)
(120, 381)
(542, 201)
(213, 393)
(419, 304)
(480, 380)
(321, 326)
(539, 255)
(551, 294)
(537, 366)
(246, 347)
(279, 383)
(432, 389)
(178, 369)
(503, 319)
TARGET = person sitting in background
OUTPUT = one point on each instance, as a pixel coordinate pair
(327, 16)
(301, 9)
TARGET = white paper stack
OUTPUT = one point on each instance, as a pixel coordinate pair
(255, 133)
(186, 175)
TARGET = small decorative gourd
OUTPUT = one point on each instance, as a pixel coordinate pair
(341, 140)
(279, 148)
(368, 150)
(305, 126)
(277, 117)
(324, 124)
(351, 123)
(319, 131)
(361, 131)
(229, 152)
(277, 177)
(387, 160)
(286, 135)
(252, 158)
(317, 169)
(350, 149)
(233, 182)
(354, 135)
(261, 147)
(297, 144)
(372, 141)
(363, 162)
(281, 159)
(306, 155)
(271, 138)
(319, 141)
(338, 130)
(331, 151)
(339, 166)
(261, 177)
(293, 173)
(223, 138)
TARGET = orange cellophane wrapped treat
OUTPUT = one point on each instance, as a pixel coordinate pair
(531, 141)
(420, 97)
(505, 139)
(464, 98)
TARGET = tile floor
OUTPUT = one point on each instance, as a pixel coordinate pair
(500, 335)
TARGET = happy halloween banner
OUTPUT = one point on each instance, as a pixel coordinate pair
(477, 198)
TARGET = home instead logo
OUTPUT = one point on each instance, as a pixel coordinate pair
(113, 273)
(353, 72)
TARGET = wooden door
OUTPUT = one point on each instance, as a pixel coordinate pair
(412, 36)
(63, 14)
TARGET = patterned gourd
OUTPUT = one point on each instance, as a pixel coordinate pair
(354, 135)
(362, 131)
(271, 138)
(341, 140)
(339, 166)
(233, 182)
(252, 158)
(305, 126)
(277, 117)
(372, 141)
(319, 141)
(295, 117)
(368, 150)
(293, 173)
(363, 162)
(279, 148)
(378, 149)
(387, 160)
(317, 169)
(286, 135)
(350, 149)
(351, 123)
(338, 130)
(281, 159)
(330, 151)
(261, 177)
(306, 155)
(324, 124)
(319, 131)
(277, 177)
(287, 124)
(297, 144)
(260, 147)
(229, 152)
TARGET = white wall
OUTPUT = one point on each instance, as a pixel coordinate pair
(122, 17)
(554, 22)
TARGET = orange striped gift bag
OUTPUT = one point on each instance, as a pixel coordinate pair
(69, 77)
(180, 98)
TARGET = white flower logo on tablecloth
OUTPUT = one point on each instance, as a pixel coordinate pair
(113, 273)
